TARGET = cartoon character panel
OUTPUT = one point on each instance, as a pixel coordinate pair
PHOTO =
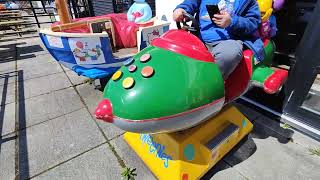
(87, 50)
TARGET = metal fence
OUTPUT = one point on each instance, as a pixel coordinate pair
(24, 15)
(121, 5)
(28, 14)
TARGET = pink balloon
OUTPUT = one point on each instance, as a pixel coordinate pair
(79, 44)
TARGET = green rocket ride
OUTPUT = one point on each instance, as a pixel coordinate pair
(174, 84)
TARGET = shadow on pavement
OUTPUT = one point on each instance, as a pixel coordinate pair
(2, 105)
(11, 52)
(22, 145)
(5, 77)
(17, 38)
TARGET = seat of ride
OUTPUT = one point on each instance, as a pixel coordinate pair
(125, 31)
(175, 40)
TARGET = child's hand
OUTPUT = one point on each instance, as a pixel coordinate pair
(222, 20)
(178, 14)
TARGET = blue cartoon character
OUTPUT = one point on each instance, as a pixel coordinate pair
(139, 12)
(98, 49)
(94, 53)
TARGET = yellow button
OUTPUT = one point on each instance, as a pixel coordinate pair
(128, 82)
(117, 75)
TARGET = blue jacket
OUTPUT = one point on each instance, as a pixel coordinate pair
(244, 23)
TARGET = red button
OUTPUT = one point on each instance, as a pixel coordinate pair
(147, 71)
(145, 58)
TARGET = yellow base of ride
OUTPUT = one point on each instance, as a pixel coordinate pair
(189, 154)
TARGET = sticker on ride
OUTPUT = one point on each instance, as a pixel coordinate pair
(55, 41)
(87, 50)
(151, 33)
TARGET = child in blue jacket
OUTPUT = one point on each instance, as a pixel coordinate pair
(234, 26)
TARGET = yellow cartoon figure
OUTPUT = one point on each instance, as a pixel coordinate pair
(266, 9)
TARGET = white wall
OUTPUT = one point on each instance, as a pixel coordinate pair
(166, 7)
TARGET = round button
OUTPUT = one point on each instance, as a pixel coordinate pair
(132, 68)
(117, 75)
(128, 82)
(128, 62)
(145, 58)
(147, 71)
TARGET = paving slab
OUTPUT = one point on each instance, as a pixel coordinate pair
(41, 58)
(131, 159)
(7, 77)
(274, 157)
(75, 78)
(223, 171)
(6, 67)
(7, 157)
(7, 93)
(45, 84)
(228, 174)
(48, 106)
(38, 66)
(52, 142)
(92, 97)
(304, 140)
(7, 119)
(98, 163)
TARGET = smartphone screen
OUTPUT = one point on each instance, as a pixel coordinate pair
(212, 10)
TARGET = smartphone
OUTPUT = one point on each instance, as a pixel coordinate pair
(212, 10)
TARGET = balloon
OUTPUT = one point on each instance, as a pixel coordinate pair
(278, 4)
(79, 45)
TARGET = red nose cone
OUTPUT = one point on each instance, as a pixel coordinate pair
(104, 111)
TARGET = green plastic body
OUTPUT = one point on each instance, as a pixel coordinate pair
(179, 84)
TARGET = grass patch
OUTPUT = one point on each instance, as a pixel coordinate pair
(128, 173)
(286, 126)
(88, 81)
(314, 151)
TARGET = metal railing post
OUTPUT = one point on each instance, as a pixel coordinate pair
(34, 13)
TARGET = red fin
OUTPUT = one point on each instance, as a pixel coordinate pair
(275, 81)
